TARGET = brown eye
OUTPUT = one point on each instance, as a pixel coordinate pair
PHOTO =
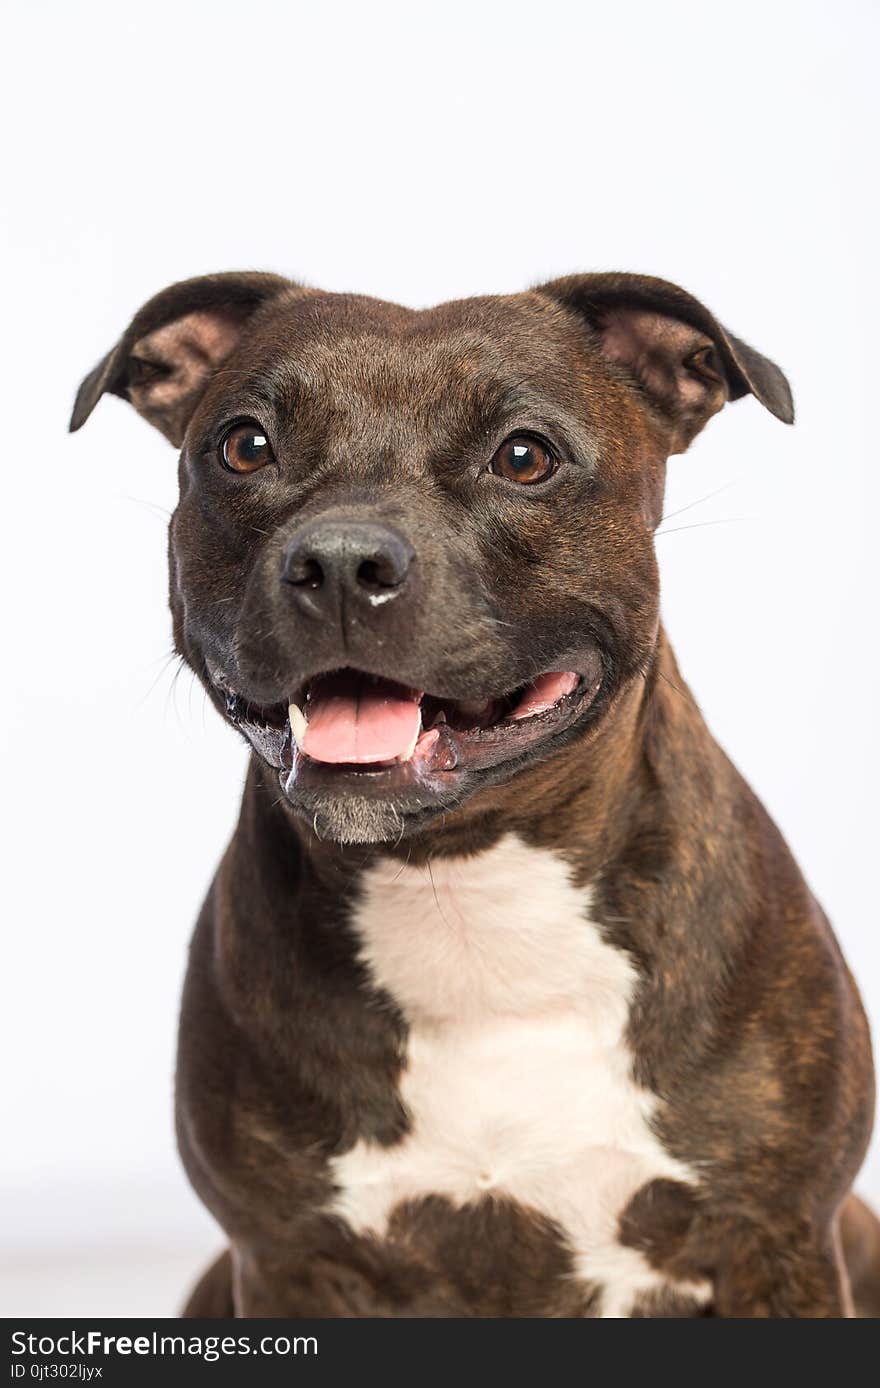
(246, 448)
(525, 460)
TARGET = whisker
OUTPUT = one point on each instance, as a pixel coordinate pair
(171, 697)
(167, 661)
(404, 865)
(440, 910)
(699, 501)
(152, 506)
(682, 692)
(698, 525)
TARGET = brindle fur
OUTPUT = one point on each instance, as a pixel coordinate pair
(747, 1023)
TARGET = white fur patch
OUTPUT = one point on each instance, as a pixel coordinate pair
(517, 1076)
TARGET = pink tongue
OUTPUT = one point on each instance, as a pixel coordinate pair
(544, 692)
(356, 719)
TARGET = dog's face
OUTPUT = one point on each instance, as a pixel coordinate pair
(413, 552)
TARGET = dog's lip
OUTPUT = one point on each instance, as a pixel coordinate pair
(471, 740)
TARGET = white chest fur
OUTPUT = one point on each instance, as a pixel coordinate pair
(517, 1076)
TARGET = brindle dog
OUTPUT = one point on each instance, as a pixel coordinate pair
(508, 998)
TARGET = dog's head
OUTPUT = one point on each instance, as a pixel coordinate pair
(413, 552)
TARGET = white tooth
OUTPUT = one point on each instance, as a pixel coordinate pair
(407, 755)
(298, 723)
(441, 718)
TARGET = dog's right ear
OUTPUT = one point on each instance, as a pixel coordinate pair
(174, 344)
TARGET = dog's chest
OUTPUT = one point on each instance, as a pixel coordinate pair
(517, 1077)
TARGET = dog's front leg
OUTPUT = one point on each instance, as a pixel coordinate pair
(770, 1274)
(265, 1285)
(271, 1283)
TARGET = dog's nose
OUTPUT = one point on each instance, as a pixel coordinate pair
(360, 560)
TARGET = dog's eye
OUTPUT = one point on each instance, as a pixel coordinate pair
(523, 459)
(246, 448)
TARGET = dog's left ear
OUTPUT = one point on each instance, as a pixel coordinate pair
(684, 361)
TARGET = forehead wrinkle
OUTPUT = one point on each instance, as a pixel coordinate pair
(252, 388)
(367, 383)
(370, 368)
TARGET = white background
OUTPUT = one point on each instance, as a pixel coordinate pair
(417, 153)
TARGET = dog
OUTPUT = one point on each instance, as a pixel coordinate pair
(508, 998)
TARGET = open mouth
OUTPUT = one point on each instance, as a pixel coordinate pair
(346, 726)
